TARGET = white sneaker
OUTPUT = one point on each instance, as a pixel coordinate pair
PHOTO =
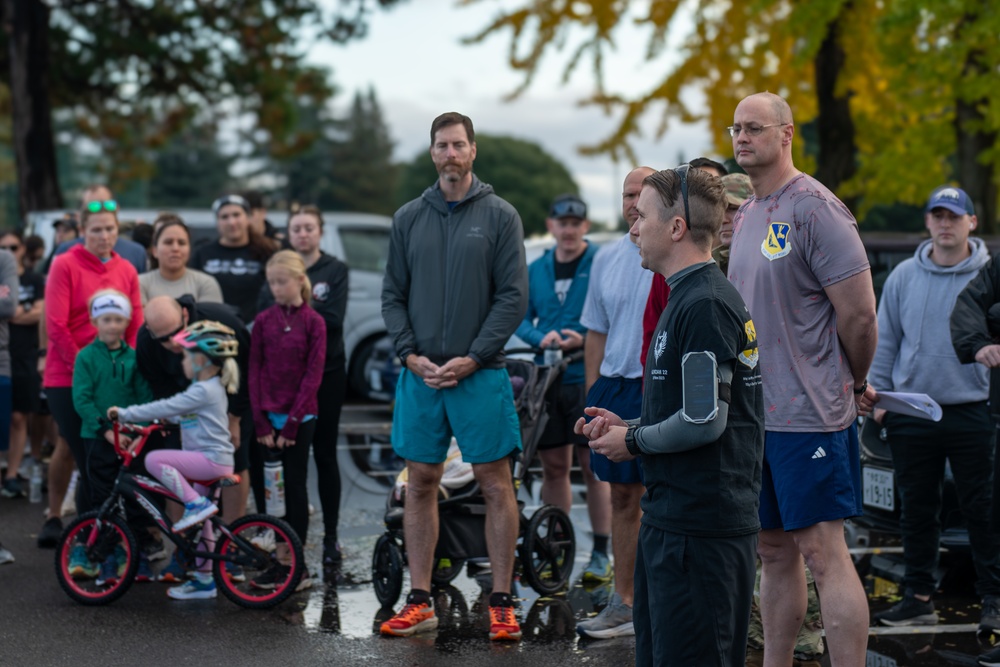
(195, 589)
(264, 540)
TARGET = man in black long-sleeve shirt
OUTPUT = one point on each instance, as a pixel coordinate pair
(159, 360)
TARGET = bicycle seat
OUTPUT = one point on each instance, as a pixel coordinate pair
(224, 481)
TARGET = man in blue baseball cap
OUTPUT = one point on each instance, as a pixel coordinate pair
(913, 356)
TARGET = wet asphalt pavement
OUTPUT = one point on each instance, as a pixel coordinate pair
(337, 622)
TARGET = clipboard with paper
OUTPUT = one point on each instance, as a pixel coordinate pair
(913, 405)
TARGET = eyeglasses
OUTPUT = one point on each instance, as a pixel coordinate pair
(166, 338)
(106, 205)
(751, 130)
(682, 171)
(10, 248)
(568, 208)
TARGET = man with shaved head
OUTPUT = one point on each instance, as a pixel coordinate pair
(159, 360)
(612, 314)
(798, 261)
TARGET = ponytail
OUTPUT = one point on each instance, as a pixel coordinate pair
(230, 375)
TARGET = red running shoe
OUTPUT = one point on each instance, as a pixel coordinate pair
(503, 624)
(411, 619)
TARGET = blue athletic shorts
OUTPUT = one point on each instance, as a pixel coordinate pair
(479, 412)
(809, 478)
(622, 396)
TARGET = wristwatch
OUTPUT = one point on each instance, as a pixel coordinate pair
(860, 390)
(630, 444)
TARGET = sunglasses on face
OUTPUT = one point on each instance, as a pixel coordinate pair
(166, 337)
(10, 248)
(106, 205)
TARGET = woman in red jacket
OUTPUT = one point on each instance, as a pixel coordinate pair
(73, 279)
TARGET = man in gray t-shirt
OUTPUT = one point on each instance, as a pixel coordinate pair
(799, 264)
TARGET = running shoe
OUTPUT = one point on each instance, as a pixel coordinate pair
(48, 536)
(989, 620)
(175, 572)
(80, 566)
(198, 588)
(615, 620)
(195, 512)
(11, 489)
(271, 577)
(599, 569)
(411, 619)
(5, 556)
(154, 549)
(235, 572)
(108, 576)
(503, 624)
(144, 573)
(991, 658)
(909, 611)
(264, 540)
(332, 554)
(305, 583)
(121, 560)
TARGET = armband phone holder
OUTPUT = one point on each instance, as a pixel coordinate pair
(700, 387)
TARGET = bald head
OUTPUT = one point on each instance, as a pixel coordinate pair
(164, 316)
(630, 193)
(763, 147)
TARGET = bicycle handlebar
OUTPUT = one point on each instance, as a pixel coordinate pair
(142, 434)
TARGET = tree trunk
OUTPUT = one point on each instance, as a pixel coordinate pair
(27, 26)
(974, 176)
(834, 125)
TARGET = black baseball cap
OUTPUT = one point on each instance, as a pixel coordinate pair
(568, 206)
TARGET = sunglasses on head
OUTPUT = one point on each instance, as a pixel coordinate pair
(682, 171)
(568, 208)
(166, 337)
(106, 205)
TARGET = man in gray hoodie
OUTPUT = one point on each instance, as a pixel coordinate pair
(915, 354)
(455, 289)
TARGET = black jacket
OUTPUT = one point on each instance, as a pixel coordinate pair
(329, 298)
(162, 368)
(975, 322)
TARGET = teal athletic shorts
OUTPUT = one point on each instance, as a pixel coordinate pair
(479, 412)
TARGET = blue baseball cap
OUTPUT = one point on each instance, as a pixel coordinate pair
(954, 199)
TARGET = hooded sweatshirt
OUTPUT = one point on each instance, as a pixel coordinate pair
(914, 352)
(456, 283)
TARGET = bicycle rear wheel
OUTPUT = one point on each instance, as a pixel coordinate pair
(270, 554)
(97, 558)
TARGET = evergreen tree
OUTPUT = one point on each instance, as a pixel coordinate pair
(363, 174)
(189, 171)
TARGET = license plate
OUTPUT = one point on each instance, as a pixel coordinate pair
(879, 489)
(873, 659)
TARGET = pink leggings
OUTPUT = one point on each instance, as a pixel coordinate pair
(174, 467)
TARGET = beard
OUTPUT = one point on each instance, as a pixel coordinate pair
(453, 172)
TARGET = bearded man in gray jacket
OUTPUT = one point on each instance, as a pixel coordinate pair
(455, 289)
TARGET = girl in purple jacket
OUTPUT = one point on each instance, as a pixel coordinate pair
(287, 354)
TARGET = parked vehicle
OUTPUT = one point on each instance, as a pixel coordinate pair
(361, 240)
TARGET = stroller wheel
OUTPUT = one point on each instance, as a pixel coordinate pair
(387, 570)
(446, 569)
(547, 550)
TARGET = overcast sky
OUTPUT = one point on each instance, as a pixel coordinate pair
(415, 61)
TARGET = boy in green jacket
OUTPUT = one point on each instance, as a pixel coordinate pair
(104, 375)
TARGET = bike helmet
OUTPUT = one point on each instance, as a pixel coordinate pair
(213, 339)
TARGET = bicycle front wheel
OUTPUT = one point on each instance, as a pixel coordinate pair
(97, 558)
(267, 561)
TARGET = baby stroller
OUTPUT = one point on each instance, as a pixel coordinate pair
(546, 543)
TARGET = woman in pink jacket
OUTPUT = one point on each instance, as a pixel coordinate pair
(73, 279)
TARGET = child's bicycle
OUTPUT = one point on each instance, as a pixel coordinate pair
(256, 543)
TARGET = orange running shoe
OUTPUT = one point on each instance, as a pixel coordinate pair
(411, 619)
(503, 624)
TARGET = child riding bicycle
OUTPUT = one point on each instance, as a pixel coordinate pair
(207, 450)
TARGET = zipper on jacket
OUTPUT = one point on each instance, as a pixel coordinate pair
(447, 282)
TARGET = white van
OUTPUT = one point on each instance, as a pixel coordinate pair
(360, 240)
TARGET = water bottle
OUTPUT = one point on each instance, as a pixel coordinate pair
(274, 482)
(553, 355)
(35, 492)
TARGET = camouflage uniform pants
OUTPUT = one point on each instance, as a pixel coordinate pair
(809, 643)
